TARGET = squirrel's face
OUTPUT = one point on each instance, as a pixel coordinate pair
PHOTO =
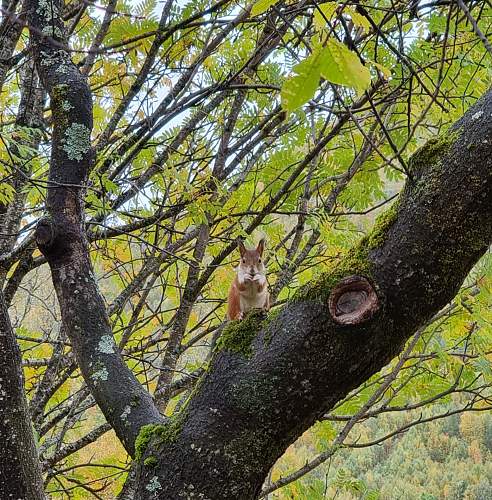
(251, 262)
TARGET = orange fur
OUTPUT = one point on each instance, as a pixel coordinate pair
(233, 302)
(249, 290)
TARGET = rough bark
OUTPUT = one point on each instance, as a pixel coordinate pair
(10, 31)
(271, 379)
(61, 236)
(20, 473)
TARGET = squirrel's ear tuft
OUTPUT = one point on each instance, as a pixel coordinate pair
(261, 246)
(240, 244)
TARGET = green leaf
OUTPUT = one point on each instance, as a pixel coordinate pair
(335, 62)
(324, 12)
(298, 89)
(342, 66)
(7, 193)
(384, 70)
(261, 6)
(358, 19)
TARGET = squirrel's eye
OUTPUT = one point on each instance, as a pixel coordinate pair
(244, 260)
(259, 260)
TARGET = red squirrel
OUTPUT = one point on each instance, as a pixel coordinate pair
(249, 290)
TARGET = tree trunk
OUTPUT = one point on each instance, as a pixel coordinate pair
(20, 474)
(271, 379)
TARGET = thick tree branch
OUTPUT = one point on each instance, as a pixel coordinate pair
(62, 239)
(271, 380)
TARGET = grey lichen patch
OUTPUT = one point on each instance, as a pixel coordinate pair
(50, 14)
(101, 374)
(124, 415)
(66, 106)
(106, 345)
(53, 31)
(153, 485)
(48, 10)
(63, 69)
(238, 335)
(57, 58)
(77, 141)
(477, 115)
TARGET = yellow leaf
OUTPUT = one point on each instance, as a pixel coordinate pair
(342, 66)
(261, 6)
(323, 13)
(358, 19)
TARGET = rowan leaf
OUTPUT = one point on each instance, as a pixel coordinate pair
(334, 62)
(342, 66)
(299, 88)
(358, 19)
(323, 13)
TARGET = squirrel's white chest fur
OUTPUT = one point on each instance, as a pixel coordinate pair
(250, 297)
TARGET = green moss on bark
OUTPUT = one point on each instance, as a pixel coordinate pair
(143, 439)
(431, 152)
(377, 236)
(150, 461)
(355, 262)
(159, 433)
(238, 335)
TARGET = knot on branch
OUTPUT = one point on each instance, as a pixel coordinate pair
(45, 232)
(352, 301)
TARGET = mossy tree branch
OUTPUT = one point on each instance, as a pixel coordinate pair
(261, 394)
(61, 235)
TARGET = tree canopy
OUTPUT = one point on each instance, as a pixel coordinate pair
(139, 140)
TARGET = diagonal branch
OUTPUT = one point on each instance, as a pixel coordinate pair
(62, 239)
(270, 380)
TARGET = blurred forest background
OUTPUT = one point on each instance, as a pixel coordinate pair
(294, 121)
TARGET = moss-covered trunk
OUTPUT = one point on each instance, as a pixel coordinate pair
(272, 379)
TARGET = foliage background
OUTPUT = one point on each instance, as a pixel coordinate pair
(201, 138)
